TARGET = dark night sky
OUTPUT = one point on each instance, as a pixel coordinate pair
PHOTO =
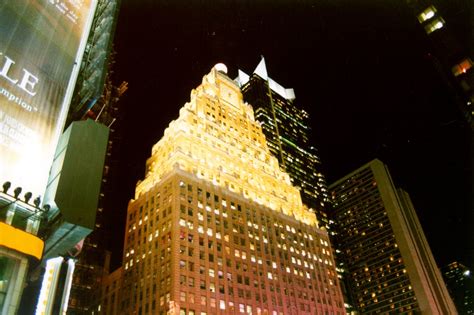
(362, 69)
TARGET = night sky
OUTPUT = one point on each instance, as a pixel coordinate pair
(362, 69)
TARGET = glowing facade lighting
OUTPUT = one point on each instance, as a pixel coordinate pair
(217, 138)
(219, 204)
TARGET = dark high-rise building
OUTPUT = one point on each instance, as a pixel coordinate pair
(461, 286)
(216, 226)
(390, 268)
(448, 24)
(93, 261)
(97, 97)
(95, 62)
(286, 128)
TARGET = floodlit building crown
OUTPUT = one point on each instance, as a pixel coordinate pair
(217, 138)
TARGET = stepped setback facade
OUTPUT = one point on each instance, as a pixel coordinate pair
(216, 227)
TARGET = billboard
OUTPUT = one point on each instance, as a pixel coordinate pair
(41, 46)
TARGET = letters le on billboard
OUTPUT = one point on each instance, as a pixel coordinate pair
(41, 45)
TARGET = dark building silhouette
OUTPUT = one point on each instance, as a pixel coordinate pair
(460, 285)
(286, 128)
(448, 24)
(94, 259)
(97, 97)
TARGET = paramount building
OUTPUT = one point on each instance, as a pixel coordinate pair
(216, 226)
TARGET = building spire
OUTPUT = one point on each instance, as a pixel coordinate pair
(261, 69)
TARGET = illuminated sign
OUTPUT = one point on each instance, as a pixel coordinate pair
(56, 286)
(49, 285)
(41, 46)
(21, 241)
(71, 265)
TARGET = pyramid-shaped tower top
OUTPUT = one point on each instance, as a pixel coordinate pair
(262, 72)
(261, 69)
(216, 138)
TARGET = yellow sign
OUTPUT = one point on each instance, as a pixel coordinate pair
(21, 241)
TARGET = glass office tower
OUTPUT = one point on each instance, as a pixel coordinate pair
(286, 128)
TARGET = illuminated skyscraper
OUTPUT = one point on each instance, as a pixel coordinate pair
(217, 227)
(390, 266)
(286, 128)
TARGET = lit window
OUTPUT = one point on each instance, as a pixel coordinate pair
(462, 67)
(427, 14)
(436, 24)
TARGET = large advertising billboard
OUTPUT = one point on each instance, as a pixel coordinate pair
(41, 46)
